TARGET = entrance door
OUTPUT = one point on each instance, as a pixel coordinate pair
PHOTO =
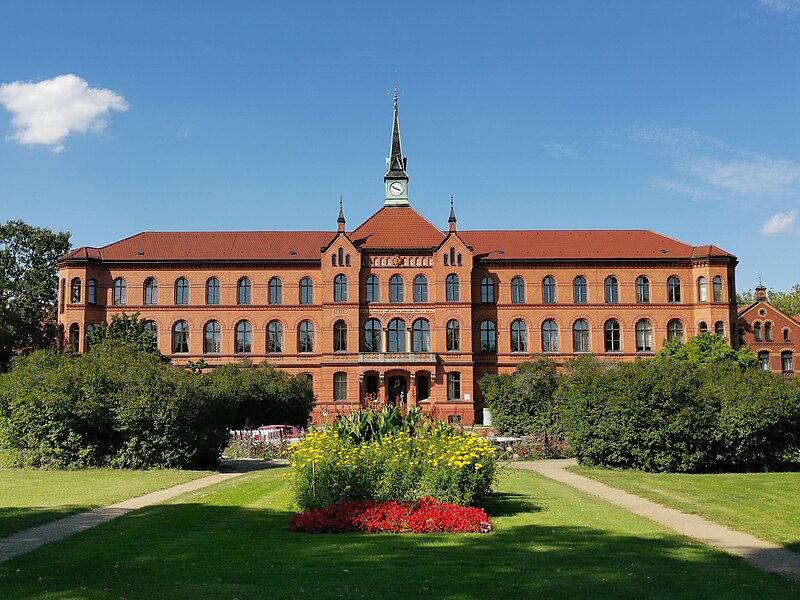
(398, 390)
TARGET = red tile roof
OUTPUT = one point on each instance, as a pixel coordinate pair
(595, 244)
(211, 245)
(397, 227)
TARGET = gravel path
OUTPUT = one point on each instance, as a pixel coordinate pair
(759, 553)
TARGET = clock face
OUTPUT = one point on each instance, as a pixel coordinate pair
(396, 188)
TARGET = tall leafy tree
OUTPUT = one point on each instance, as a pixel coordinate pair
(28, 287)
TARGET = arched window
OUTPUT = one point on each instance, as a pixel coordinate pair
(446, 261)
(340, 336)
(152, 329)
(421, 336)
(182, 291)
(673, 289)
(768, 331)
(420, 288)
(642, 290)
(396, 341)
(644, 336)
(454, 386)
(579, 290)
(580, 336)
(452, 257)
(341, 257)
(243, 289)
(306, 291)
(453, 336)
(347, 260)
(459, 260)
(75, 291)
(339, 386)
(451, 288)
(719, 330)
(703, 327)
(395, 288)
(787, 362)
(120, 292)
(518, 290)
(305, 337)
(612, 291)
(488, 337)
(702, 295)
(549, 336)
(333, 259)
(151, 291)
(763, 360)
(180, 337)
(275, 291)
(212, 338)
(487, 289)
(717, 288)
(757, 331)
(340, 288)
(91, 292)
(274, 337)
(519, 336)
(244, 337)
(373, 289)
(90, 330)
(212, 291)
(675, 331)
(372, 336)
(786, 335)
(613, 341)
(62, 297)
(549, 290)
(75, 338)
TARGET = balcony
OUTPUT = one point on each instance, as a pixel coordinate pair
(429, 358)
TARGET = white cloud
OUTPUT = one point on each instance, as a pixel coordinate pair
(781, 223)
(785, 8)
(48, 111)
(559, 150)
(710, 167)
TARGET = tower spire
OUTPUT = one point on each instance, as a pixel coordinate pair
(396, 178)
(452, 219)
(340, 220)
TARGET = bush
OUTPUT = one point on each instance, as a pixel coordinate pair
(523, 402)
(669, 415)
(113, 406)
(327, 468)
(261, 394)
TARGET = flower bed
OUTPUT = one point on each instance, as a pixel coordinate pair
(327, 468)
(424, 515)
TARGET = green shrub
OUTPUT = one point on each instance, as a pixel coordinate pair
(669, 415)
(523, 402)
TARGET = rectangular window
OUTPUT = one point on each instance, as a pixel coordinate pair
(787, 363)
(340, 387)
(454, 386)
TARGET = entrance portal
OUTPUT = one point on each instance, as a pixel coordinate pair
(398, 390)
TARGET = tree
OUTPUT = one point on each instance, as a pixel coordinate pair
(704, 349)
(745, 298)
(125, 329)
(787, 302)
(28, 288)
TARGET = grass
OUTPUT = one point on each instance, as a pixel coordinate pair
(766, 505)
(231, 541)
(30, 497)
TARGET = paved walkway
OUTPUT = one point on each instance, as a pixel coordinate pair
(28, 540)
(762, 555)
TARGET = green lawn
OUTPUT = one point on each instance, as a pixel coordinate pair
(231, 541)
(30, 497)
(766, 505)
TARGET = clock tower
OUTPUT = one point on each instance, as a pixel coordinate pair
(396, 178)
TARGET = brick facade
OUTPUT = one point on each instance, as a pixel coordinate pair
(771, 334)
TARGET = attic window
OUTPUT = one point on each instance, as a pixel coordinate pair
(665, 252)
(140, 253)
(293, 253)
(501, 251)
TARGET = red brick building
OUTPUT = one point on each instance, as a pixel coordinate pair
(770, 333)
(397, 308)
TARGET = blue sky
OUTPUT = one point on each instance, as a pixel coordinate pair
(679, 117)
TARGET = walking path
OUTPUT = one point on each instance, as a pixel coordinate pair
(28, 540)
(762, 555)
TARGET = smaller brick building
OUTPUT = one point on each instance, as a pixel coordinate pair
(770, 333)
